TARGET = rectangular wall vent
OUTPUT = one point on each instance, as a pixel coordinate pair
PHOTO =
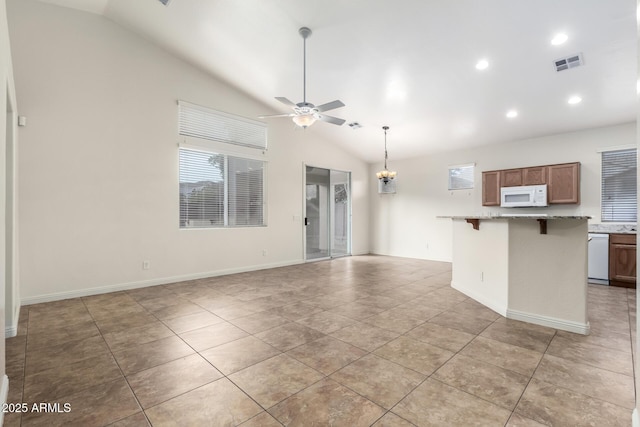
(572, 61)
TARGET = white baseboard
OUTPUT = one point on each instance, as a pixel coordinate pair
(635, 418)
(11, 330)
(4, 394)
(482, 299)
(151, 282)
(551, 322)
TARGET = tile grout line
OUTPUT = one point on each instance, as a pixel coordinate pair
(119, 367)
(324, 376)
(631, 341)
(532, 375)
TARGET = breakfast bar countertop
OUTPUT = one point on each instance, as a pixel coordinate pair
(515, 216)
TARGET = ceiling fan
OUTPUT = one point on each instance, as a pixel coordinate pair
(305, 113)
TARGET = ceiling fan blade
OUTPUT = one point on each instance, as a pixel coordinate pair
(330, 119)
(276, 115)
(330, 106)
(285, 101)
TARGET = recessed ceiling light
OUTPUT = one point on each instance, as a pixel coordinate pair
(574, 100)
(559, 38)
(482, 64)
(512, 114)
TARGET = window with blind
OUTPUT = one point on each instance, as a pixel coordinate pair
(619, 186)
(218, 190)
(461, 176)
(205, 123)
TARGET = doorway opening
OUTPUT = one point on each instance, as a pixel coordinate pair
(327, 213)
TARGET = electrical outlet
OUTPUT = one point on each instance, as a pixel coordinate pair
(264, 252)
(145, 265)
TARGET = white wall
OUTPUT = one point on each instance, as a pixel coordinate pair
(7, 127)
(481, 261)
(405, 224)
(548, 273)
(98, 163)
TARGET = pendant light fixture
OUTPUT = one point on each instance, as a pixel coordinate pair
(385, 175)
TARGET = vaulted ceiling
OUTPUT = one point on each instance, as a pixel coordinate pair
(409, 64)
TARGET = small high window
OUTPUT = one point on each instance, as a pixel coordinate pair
(461, 176)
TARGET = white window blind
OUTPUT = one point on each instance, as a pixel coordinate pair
(461, 177)
(619, 186)
(217, 190)
(206, 123)
(245, 179)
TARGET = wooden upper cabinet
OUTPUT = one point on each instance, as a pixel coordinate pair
(511, 178)
(491, 188)
(534, 176)
(564, 183)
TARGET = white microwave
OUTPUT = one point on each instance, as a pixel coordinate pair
(523, 196)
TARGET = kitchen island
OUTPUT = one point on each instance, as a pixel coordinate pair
(531, 268)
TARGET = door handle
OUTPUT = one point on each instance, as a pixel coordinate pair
(306, 221)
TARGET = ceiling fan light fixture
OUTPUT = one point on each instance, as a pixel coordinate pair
(305, 113)
(304, 120)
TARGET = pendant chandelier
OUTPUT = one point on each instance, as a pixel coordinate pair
(385, 175)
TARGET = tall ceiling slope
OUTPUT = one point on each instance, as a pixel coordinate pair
(409, 64)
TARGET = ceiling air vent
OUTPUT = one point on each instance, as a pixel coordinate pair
(355, 125)
(572, 61)
(165, 2)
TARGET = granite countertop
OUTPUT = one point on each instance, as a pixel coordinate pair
(515, 216)
(613, 228)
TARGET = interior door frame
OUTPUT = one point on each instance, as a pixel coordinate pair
(304, 215)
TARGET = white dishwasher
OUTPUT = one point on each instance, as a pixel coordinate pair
(598, 271)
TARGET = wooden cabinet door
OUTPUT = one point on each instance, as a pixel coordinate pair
(534, 176)
(622, 260)
(564, 183)
(511, 178)
(491, 188)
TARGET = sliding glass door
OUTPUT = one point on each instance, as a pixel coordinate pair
(328, 213)
(340, 208)
(317, 213)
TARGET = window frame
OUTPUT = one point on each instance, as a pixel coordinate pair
(226, 191)
(205, 130)
(607, 210)
(452, 168)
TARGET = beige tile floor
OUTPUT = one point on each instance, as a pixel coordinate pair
(365, 340)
